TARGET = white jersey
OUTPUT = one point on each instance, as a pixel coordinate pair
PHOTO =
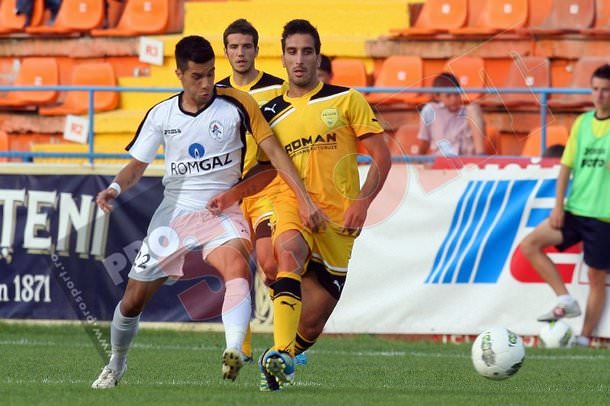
(204, 151)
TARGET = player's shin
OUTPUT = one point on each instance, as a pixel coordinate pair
(122, 332)
(236, 311)
(286, 310)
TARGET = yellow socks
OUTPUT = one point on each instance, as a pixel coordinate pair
(286, 310)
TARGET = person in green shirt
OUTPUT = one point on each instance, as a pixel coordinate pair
(585, 214)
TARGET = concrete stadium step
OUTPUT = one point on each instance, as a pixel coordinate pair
(344, 27)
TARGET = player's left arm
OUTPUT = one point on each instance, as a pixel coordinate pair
(376, 147)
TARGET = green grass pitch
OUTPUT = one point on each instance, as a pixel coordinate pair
(56, 365)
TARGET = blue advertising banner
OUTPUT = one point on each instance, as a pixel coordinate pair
(63, 258)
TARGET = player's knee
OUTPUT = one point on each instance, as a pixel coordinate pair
(131, 307)
(269, 268)
(529, 246)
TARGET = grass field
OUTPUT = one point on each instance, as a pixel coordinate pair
(56, 365)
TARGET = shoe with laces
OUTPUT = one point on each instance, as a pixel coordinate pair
(232, 361)
(281, 365)
(108, 378)
(560, 311)
(268, 383)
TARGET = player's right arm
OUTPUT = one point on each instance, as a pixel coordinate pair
(126, 178)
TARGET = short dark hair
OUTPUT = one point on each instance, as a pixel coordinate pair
(446, 79)
(603, 72)
(301, 27)
(326, 64)
(240, 26)
(554, 151)
(193, 48)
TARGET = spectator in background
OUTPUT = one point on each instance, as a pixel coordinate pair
(26, 7)
(554, 151)
(325, 70)
(447, 127)
(585, 214)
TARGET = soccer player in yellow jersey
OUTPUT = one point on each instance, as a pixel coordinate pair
(319, 126)
(241, 49)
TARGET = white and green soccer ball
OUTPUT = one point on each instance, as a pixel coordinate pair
(497, 353)
(556, 334)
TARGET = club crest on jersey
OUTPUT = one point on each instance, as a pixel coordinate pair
(216, 130)
(329, 117)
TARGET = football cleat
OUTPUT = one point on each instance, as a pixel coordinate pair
(232, 361)
(300, 359)
(108, 378)
(560, 311)
(281, 365)
(268, 383)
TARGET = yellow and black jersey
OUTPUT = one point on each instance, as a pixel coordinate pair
(263, 88)
(319, 131)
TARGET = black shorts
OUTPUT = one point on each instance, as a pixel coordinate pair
(595, 236)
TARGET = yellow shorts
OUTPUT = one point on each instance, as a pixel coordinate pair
(329, 247)
(258, 209)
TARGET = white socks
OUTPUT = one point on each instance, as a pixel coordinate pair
(236, 311)
(122, 331)
(565, 300)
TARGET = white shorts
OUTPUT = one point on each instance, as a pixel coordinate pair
(173, 231)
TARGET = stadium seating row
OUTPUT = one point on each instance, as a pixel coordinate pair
(396, 71)
(520, 17)
(44, 71)
(404, 141)
(140, 17)
(523, 72)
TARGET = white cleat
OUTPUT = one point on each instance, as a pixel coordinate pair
(232, 361)
(108, 378)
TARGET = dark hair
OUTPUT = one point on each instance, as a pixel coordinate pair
(554, 151)
(301, 27)
(325, 64)
(446, 79)
(603, 72)
(240, 26)
(193, 48)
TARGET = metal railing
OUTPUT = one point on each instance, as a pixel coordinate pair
(91, 155)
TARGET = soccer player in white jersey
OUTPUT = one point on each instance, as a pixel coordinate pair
(202, 130)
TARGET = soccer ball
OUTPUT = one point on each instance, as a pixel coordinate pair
(497, 353)
(555, 334)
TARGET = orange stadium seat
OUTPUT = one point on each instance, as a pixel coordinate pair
(140, 17)
(470, 71)
(74, 16)
(34, 72)
(404, 141)
(602, 19)
(494, 17)
(4, 145)
(349, 72)
(77, 102)
(555, 134)
(581, 78)
(437, 16)
(399, 71)
(524, 72)
(11, 23)
(564, 16)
